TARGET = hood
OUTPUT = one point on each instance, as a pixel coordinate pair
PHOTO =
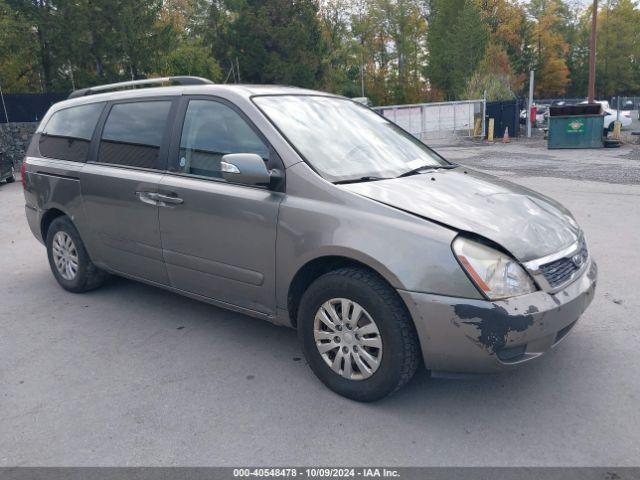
(525, 223)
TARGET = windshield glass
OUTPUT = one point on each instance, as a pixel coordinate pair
(343, 140)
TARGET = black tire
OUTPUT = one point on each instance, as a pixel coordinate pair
(401, 351)
(88, 276)
(11, 179)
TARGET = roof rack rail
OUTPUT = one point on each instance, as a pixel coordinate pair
(183, 80)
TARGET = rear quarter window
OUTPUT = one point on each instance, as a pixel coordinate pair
(67, 134)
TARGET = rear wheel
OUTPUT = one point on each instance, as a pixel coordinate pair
(11, 178)
(69, 260)
(356, 334)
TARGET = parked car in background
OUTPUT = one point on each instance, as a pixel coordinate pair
(308, 210)
(542, 115)
(611, 115)
(7, 172)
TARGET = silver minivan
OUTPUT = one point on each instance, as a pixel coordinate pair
(307, 210)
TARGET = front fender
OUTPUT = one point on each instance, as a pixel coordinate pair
(409, 252)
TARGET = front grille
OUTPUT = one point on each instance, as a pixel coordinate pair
(560, 271)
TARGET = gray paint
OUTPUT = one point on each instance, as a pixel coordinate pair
(219, 243)
(241, 246)
(249, 169)
(125, 230)
(525, 223)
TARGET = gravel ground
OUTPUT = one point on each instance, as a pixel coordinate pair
(132, 375)
(530, 158)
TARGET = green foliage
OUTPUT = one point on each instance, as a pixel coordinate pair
(18, 53)
(340, 57)
(279, 41)
(618, 60)
(457, 40)
(396, 51)
(496, 86)
(190, 58)
(84, 42)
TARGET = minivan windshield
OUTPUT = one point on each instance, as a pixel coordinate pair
(344, 141)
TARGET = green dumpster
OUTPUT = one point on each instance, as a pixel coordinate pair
(576, 126)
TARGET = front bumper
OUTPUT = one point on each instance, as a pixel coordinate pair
(466, 335)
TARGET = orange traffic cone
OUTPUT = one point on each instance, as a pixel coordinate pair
(505, 138)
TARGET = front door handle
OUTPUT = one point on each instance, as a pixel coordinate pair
(147, 197)
(171, 199)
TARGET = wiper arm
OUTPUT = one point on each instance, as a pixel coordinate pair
(428, 167)
(359, 180)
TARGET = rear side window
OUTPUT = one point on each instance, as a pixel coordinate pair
(133, 134)
(68, 132)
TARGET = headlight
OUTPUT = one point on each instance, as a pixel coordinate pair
(496, 274)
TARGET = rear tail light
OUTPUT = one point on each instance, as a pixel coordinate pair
(23, 176)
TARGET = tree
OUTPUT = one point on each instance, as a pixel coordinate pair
(372, 47)
(509, 42)
(618, 48)
(551, 49)
(40, 15)
(401, 51)
(84, 42)
(496, 86)
(340, 57)
(457, 39)
(190, 58)
(279, 41)
(405, 26)
(18, 54)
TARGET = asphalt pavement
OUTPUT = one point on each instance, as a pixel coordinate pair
(132, 375)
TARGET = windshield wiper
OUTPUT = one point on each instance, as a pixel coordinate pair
(428, 167)
(358, 180)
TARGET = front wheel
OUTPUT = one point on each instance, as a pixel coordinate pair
(69, 260)
(357, 335)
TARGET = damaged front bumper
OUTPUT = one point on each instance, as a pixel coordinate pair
(466, 335)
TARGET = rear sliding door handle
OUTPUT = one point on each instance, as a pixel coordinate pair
(159, 199)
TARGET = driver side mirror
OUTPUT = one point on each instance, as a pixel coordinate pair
(245, 168)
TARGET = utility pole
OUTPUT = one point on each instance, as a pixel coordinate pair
(530, 105)
(592, 53)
